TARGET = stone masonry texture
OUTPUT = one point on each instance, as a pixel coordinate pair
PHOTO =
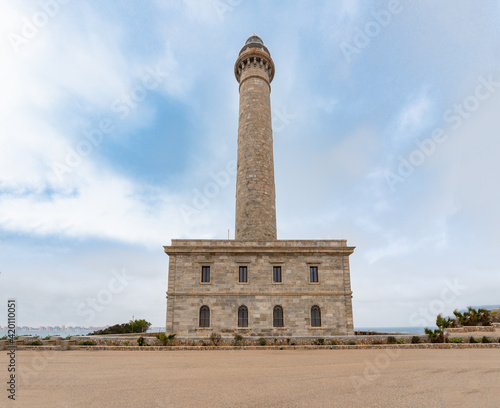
(256, 245)
(224, 294)
(255, 189)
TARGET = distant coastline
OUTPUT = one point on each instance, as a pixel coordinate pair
(65, 333)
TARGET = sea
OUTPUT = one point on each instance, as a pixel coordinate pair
(43, 333)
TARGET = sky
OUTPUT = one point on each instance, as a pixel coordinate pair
(118, 130)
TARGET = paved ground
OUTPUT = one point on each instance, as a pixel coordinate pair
(254, 378)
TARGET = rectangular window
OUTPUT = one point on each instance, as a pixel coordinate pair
(243, 274)
(314, 273)
(205, 273)
(277, 273)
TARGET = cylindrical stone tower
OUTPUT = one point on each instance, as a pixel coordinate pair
(255, 190)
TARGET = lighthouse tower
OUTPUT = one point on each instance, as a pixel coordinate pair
(256, 285)
(255, 190)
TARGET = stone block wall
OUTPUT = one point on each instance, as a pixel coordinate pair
(224, 294)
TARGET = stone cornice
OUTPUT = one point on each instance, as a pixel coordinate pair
(260, 293)
(281, 247)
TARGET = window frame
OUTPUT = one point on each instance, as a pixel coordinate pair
(205, 273)
(243, 269)
(204, 317)
(277, 273)
(243, 317)
(316, 316)
(278, 317)
(313, 273)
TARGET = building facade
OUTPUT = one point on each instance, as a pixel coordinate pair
(257, 285)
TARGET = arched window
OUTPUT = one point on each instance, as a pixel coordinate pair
(315, 316)
(204, 316)
(242, 316)
(278, 316)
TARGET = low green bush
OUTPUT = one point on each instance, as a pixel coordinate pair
(36, 343)
(140, 341)
(415, 340)
(162, 338)
(456, 340)
(473, 340)
(401, 340)
(351, 343)
(126, 342)
(262, 341)
(333, 343)
(485, 340)
(320, 342)
(87, 343)
(391, 340)
(215, 338)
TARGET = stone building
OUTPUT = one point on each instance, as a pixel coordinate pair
(257, 285)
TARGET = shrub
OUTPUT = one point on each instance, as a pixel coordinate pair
(140, 341)
(473, 317)
(126, 342)
(351, 343)
(67, 337)
(203, 343)
(35, 343)
(415, 340)
(377, 341)
(435, 336)
(456, 340)
(401, 340)
(87, 343)
(320, 342)
(215, 338)
(333, 343)
(262, 341)
(473, 340)
(133, 326)
(287, 341)
(46, 337)
(391, 340)
(3, 338)
(292, 343)
(238, 338)
(485, 340)
(162, 338)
